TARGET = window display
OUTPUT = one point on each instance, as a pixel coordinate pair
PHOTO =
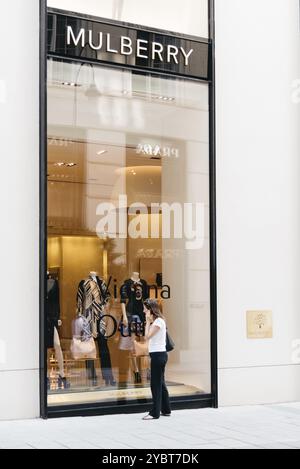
(133, 291)
(128, 220)
(92, 296)
(52, 323)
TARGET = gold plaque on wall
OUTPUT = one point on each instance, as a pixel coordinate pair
(259, 325)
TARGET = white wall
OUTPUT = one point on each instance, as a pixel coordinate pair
(258, 196)
(19, 202)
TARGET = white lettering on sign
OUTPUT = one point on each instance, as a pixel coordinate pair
(157, 151)
(99, 44)
(126, 46)
(80, 36)
(157, 50)
(60, 142)
(141, 48)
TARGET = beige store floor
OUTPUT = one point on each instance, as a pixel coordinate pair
(181, 381)
(113, 394)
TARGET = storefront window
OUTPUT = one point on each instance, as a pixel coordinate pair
(189, 17)
(128, 218)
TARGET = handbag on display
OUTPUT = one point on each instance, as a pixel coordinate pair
(83, 348)
(140, 349)
(83, 344)
(170, 344)
(126, 343)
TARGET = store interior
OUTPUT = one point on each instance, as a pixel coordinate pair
(94, 160)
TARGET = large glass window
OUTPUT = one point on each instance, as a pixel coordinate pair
(128, 218)
(189, 17)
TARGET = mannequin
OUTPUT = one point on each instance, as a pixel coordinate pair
(93, 275)
(53, 322)
(133, 292)
(92, 298)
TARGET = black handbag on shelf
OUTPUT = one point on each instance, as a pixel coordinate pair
(170, 345)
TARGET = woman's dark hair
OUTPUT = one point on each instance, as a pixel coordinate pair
(154, 308)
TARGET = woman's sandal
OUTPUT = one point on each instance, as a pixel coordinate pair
(149, 417)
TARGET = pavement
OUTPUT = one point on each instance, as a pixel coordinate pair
(253, 427)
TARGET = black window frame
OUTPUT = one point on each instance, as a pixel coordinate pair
(183, 402)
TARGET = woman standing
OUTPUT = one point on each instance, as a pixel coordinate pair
(156, 331)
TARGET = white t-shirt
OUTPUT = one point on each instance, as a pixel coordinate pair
(157, 343)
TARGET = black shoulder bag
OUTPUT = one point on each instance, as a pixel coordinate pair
(170, 345)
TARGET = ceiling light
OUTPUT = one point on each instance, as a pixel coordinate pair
(101, 152)
(61, 163)
(165, 98)
(69, 83)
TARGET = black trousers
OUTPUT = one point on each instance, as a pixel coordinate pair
(105, 361)
(160, 395)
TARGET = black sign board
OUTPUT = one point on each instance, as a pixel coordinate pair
(96, 41)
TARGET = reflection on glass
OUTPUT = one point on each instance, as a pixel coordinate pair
(188, 17)
(128, 218)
